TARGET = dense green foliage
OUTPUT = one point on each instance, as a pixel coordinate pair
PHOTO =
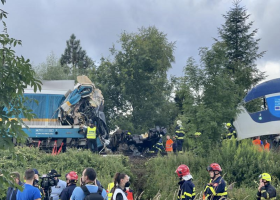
(209, 93)
(135, 82)
(241, 162)
(15, 74)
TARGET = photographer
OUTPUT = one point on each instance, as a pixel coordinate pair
(56, 190)
(89, 187)
(71, 178)
(29, 192)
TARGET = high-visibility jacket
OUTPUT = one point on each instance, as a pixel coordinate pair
(267, 192)
(168, 145)
(110, 187)
(215, 189)
(91, 133)
(258, 143)
(267, 146)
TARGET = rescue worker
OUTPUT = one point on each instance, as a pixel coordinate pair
(91, 137)
(265, 190)
(257, 142)
(266, 145)
(231, 131)
(158, 147)
(197, 134)
(216, 189)
(109, 190)
(180, 134)
(186, 186)
(168, 144)
(71, 180)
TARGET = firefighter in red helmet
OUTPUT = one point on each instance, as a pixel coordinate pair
(216, 189)
(186, 186)
(71, 178)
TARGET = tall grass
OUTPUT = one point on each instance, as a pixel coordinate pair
(241, 162)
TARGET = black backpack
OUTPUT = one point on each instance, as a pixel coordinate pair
(93, 196)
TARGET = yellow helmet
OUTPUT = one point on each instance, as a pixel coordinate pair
(197, 134)
(228, 124)
(265, 176)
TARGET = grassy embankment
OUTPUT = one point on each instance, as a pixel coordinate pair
(241, 165)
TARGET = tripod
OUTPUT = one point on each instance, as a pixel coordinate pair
(47, 193)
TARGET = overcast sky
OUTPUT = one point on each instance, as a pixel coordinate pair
(45, 25)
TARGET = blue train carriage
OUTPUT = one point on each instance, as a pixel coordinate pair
(260, 111)
(46, 130)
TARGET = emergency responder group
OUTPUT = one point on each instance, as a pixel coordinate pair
(216, 188)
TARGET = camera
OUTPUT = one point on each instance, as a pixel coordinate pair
(48, 181)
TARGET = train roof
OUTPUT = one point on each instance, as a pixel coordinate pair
(53, 87)
(265, 88)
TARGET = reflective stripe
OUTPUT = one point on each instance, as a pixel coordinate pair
(187, 194)
(91, 133)
(180, 132)
(221, 194)
(180, 138)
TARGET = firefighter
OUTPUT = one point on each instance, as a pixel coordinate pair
(265, 190)
(216, 189)
(158, 147)
(180, 134)
(186, 186)
(71, 179)
(231, 131)
(91, 137)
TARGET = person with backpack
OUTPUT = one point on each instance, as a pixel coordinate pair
(89, 189)
(121, 182)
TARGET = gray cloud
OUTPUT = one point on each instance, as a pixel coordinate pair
(44, 26)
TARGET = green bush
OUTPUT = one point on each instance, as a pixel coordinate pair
(241, 162)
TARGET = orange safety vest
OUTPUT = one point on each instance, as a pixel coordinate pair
(267, 146)
(168, 145)
(129, 195)
(258, 143)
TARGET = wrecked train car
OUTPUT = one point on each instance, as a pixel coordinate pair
(61, 113)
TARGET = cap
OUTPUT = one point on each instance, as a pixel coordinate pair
(53, 172)
(36, 172)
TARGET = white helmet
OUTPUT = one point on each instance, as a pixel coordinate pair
(179, 122)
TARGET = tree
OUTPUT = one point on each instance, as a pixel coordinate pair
(209, 93)
(15, 74)
(241, 47)
(52, 70)
(75, 56)
(137, 77)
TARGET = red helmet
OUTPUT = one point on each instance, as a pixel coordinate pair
(72, 176)
(183, 170)
(214, 167)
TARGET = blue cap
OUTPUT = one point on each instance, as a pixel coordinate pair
(36, 172)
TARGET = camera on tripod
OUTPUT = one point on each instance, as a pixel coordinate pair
(48, 181)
